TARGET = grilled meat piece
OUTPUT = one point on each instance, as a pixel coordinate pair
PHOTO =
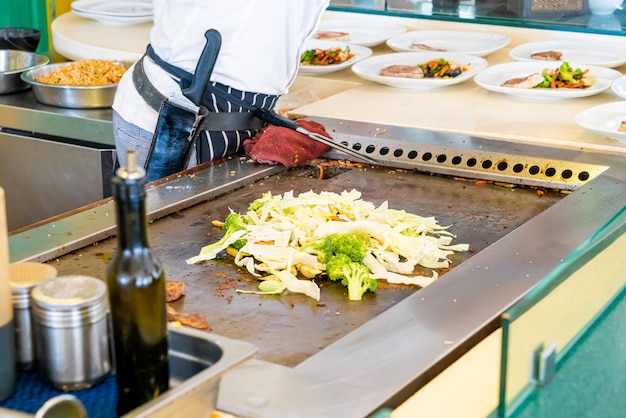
(332, 36)
(547, 56)
(404, 71)
(524, 82)
(424, 47)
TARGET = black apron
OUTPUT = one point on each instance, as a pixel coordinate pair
(225, 117)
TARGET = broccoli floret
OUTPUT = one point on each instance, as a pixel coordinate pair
(354, 275)
(234, 222)
(352, 245)
(322, 249)
(566, 72)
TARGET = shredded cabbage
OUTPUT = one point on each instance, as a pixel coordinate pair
(278, 225)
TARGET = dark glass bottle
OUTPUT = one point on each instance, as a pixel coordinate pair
(136, 283)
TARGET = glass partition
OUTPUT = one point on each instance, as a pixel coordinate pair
(588, 16)
(539, 330)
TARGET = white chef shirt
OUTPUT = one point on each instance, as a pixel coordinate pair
(261, 43)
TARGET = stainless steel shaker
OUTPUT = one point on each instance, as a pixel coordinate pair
(23, 277)
(71, 322)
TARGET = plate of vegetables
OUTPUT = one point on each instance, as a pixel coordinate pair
(419, 70)
(547, 81)
(323, 57)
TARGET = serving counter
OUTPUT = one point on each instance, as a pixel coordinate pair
(407, 351)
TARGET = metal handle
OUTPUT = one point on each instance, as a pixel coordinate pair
(275, 119)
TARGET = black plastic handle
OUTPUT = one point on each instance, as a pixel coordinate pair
(204, 67)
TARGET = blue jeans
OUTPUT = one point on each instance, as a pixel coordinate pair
(131, 137)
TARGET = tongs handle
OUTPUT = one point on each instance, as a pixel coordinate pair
(275, 119)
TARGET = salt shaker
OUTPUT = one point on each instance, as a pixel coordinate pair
(70, 315)
(23, 277)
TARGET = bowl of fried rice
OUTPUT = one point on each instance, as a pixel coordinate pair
(84, 84)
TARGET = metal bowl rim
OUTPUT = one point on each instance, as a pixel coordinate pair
(44, 62)
(27, 77)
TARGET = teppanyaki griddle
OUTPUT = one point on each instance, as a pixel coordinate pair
(290, 328)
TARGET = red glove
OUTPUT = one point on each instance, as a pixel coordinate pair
(275, 144)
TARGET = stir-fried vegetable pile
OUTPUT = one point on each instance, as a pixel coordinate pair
(441, 68)
(566, 77)
(288, 240)
(319, 56)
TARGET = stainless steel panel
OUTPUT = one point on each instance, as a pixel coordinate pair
(44, 178)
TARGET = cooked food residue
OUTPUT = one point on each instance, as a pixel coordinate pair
(332, 36)
(174, 290)
(318, 56)
(193, 320)
(424, 47)
(562, 77)
(85, 73)
(294, 242)
(436, 68)
(547, 56)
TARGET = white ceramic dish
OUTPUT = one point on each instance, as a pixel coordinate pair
(582, 52)
(114, 13)
(604, 119)
(470, 43)
(619, 87)
(369, 68)
(492, 78)
(360, 52)
(136, 8)
(363, 33)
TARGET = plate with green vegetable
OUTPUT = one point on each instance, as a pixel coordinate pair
(547, 80)
(323, 57)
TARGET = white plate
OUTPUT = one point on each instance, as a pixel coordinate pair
(363, 33)
(493, 77)
(619, 87)
(583, 52)
(114, 20)
(604, 119)
(370, 67)
(360, 52)
(113, 8)
(470, 43)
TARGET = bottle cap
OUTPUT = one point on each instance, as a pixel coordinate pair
(130, 170)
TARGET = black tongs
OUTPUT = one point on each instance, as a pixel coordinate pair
(275, 119)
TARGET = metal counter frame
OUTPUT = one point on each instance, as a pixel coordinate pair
(384, 361)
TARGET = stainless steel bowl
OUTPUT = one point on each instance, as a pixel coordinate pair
(13, 63)
(74, 97)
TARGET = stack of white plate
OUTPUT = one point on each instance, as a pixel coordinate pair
(114, 12)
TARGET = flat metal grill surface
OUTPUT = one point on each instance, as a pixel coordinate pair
(290, 328)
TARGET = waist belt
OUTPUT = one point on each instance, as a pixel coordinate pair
(214, 121)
